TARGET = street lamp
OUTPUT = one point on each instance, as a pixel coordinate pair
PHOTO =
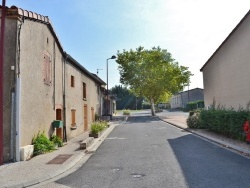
(107, 103)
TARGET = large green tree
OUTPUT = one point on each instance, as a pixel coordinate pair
(153, 73)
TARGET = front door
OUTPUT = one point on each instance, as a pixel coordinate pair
(85, 111)
(59, 131)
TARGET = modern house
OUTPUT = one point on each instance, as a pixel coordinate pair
(42, 83)
(181, 99)
(226, 75)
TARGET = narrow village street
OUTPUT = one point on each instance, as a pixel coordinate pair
(146, 152)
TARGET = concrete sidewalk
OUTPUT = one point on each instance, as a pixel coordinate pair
(36, 170)
(236, 145)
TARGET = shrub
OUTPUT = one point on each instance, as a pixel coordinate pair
(42, 144)
(126, 112)
(194, 105)
(56, 140)
(226, 122)
(97, 117)
(98, 126)
(193, 120)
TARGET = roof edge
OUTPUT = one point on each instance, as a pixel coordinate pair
(81, 68)
(230, 34)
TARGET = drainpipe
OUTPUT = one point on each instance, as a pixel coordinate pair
(54, 72)
(18, 124)
(1, 78)
(12, 121)
(18, 97)
(64, 100)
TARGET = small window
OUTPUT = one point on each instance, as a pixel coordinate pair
(72, 81)
(73, 117)
(84, 90)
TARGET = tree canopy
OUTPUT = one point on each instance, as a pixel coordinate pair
(153, 73)
(126, 99)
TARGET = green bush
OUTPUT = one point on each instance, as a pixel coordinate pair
(194, 105)
(193, 120)
(97, 117)
(98, 126)
(126, 112)
(42, 144)
(56, 140)
(226, 122)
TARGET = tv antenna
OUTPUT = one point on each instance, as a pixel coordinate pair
(98, 70)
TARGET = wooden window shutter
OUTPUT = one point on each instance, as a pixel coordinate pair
(72, 80)
(84, 90)
(73, 117)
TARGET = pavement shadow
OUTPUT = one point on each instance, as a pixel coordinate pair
(207, 165)
(142, 119)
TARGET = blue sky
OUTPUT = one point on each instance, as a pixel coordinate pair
(94, 30)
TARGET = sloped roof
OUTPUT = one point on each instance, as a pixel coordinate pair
(84, 70)
(234, 30)
(18, 13)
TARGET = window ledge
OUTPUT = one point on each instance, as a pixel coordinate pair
(73, 127)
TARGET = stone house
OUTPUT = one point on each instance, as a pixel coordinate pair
(181, 99)
(225, 74)
(42, 83)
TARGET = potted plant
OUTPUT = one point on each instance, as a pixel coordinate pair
(97, 128)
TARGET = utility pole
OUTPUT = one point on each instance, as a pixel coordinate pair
(1, 78)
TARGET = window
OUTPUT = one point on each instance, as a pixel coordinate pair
(46, 68)
(72, 81)
(73, 117)
(84, 90)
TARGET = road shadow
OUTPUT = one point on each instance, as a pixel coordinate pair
(142, 119)
(207, 165)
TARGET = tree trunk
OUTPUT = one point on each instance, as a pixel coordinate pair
(152, 107)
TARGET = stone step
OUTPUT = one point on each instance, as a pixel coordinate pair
(86, 143)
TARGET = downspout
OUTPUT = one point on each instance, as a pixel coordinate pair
(54, 80)
(12, 122)
(64, 100)
(18, 97)
(3, 12)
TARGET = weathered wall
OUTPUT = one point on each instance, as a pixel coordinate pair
(226, 77)
(38, 99)
(9, 80)
(74, 100)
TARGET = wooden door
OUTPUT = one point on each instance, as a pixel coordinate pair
(59, 131)
(85, 116)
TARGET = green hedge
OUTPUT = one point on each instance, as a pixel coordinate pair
(226, 122)
(194, 105)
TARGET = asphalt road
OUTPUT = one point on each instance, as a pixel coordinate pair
(148, 153)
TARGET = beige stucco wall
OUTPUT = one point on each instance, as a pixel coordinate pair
(74, 99)
(227, 76)
(38, 100)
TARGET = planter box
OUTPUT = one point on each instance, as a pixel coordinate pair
(57, 124)
(95, 135)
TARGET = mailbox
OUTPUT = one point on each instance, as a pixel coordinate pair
(57, 124)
